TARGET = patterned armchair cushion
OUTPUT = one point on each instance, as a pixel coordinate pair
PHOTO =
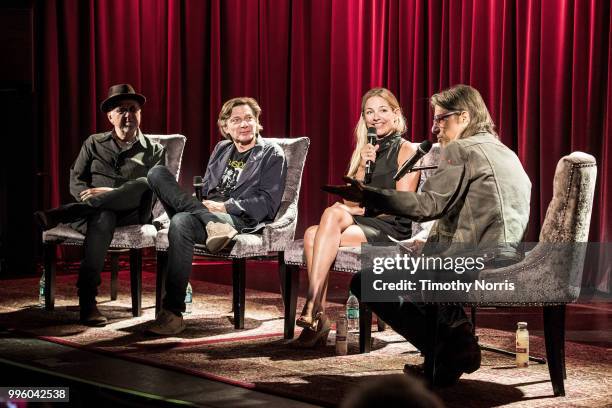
(277, 234)
(347, 260)
(245, 245)
(569, 213)
(174, 145)
(552, 273)
(131, 236)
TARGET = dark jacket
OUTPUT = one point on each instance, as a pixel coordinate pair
(101, 163)
(259, 189)
(479, 195)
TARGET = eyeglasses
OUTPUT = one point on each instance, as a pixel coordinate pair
(437, 119)
(237, 120)
(122, 110)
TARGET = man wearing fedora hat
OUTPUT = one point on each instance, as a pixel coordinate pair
(108, 182)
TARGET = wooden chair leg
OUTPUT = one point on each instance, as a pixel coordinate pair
(160, 280)
(290, 281)
(382, 326)
(239, 285)
(554, 336)
(136, 280)
(49, 250)
(431, 317)
(114, 274)
(473, 318)
(365, 328)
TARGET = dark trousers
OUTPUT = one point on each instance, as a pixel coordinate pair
(188, 219)
(409, 319)
(97, 218)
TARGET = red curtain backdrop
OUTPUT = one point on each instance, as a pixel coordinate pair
(542, 66)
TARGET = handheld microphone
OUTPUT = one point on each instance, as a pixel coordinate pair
(369, 167)
(198, 185)
(422, 150)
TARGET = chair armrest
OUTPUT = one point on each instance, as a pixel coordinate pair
(278, 234)
(161, 222)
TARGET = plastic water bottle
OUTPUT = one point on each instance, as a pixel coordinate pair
(522, 345)
(188, 299)
(341, 336)
(352, 313)
(41, 290)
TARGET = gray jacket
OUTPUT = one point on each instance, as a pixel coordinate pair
(259, 189)
(479, 195)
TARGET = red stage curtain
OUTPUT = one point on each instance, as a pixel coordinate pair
(543, 67)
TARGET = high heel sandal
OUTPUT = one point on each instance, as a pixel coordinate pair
(308, 322)
(311, 338)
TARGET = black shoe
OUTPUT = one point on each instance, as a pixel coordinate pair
(91, 316)
(461, 350)
(63, 214)
(45, 220)
(444, 376)
(460, 353)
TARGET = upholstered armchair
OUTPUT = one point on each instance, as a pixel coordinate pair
(550, 275)
(269, 243)
(132, 238)
(349, 260)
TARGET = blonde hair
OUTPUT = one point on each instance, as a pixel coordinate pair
(465, 98)
(361, 130)
(226, 112)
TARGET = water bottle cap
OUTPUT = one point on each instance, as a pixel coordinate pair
(522, 325)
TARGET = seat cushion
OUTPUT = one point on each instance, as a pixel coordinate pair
(347, 260)
(244, 245)
(130, 236)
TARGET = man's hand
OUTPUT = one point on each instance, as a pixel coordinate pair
(214, 206)
(413, 246)
(358, 184)
(91, 192)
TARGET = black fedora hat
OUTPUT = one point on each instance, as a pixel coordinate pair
(120, 92)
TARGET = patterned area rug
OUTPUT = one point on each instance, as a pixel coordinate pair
(258, 357)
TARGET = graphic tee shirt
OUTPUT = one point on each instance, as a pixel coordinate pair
(233, 169)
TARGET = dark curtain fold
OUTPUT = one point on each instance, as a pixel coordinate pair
(543, 67)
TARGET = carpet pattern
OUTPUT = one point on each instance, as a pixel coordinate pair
(258, 357)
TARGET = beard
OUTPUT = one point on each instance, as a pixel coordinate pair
(127, 129)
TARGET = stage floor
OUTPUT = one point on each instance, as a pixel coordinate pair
(211, 364)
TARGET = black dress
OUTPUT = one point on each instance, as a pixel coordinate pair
(379, 228)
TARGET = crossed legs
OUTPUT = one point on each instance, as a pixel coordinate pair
(321, 243)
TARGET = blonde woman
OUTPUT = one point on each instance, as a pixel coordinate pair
(344, 223)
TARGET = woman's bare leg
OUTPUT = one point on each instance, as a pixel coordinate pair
(353, 236)
(309, 239)
(327, 240)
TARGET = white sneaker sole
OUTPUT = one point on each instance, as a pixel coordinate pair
(216, 244)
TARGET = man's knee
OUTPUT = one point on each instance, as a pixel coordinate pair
(141, 183)
(103, 220)
(156, 174)
(181, 225)
(356, 285)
